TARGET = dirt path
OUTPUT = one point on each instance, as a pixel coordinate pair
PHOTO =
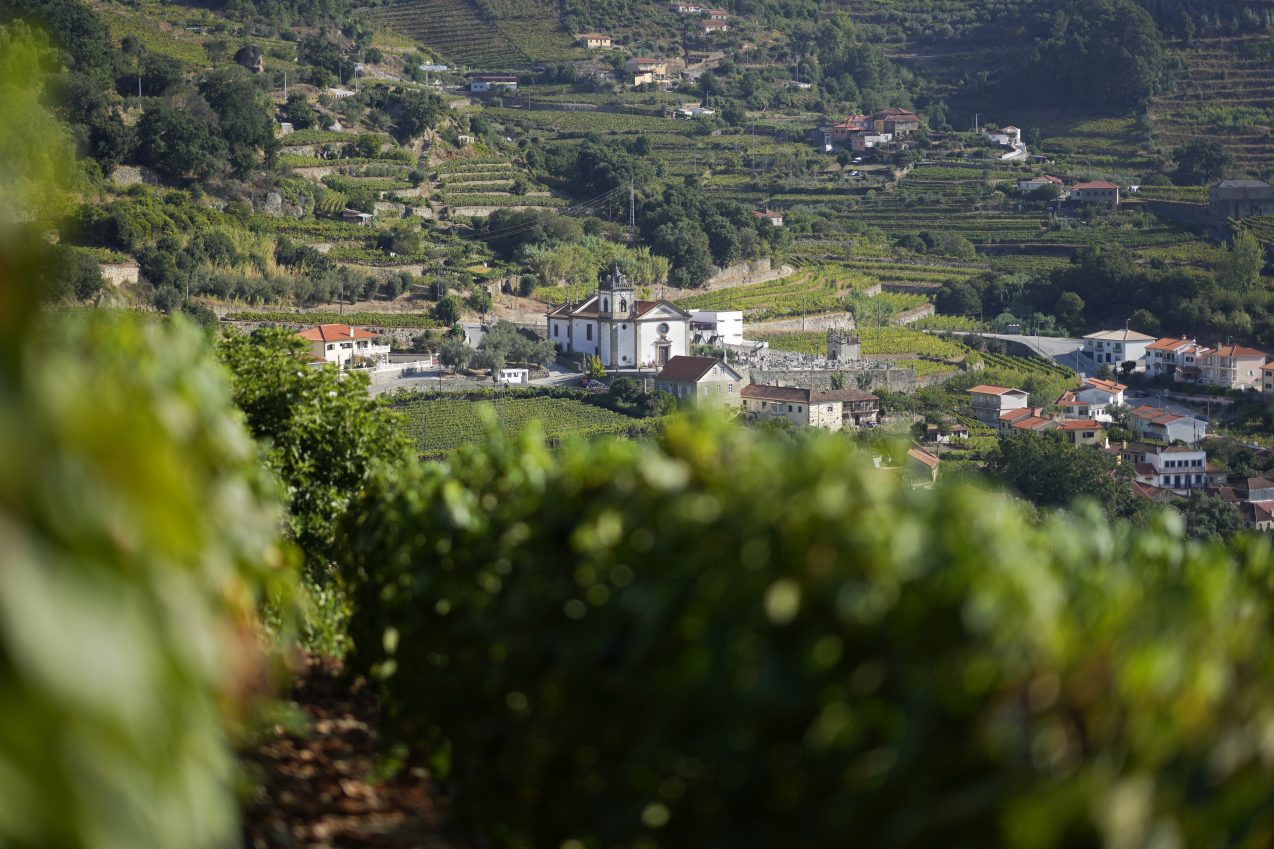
(318, 790)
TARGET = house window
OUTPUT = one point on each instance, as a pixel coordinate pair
(789, 408)
(588, 332)
(556, 328)
(731, 387)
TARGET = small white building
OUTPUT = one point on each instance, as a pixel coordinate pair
(1116, 347)
(775, 218)
(341, 344)
(513, 377)
(716, 327)
(1037, 183)
(487, 83)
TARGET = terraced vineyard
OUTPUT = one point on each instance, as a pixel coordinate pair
(816, 289)
(1262, 228)
(877, 341)
(442, 425)
(1226, 94)
(474, 187)
(457, 30)
(533, 27)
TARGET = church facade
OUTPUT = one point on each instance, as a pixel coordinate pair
(623, 331)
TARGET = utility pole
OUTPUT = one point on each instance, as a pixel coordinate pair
(139, 86)
(632, 204)
(285, 85)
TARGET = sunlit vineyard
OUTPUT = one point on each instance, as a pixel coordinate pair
(441, 425)
(877, 341)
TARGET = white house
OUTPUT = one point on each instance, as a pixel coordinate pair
(625, 332)
(1091, 400)
(340, 343)
(1116, 347)
(701, 382)
(991, 402)
(1153, 423)
(716, 327)
(1175, 467)
(1176, 358)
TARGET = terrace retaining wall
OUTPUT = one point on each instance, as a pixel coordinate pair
(839, 320)
(910, 316)
(881, 377)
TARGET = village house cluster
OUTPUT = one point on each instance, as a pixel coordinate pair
(1182, 359)
(861, 133)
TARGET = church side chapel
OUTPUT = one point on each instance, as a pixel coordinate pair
(623, 331)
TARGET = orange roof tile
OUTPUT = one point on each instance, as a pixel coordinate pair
(335, 333)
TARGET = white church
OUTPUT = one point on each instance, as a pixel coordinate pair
(623, 331)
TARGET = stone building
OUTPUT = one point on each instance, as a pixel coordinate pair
(1240, 199)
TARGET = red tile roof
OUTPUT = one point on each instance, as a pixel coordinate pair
(1014, 415)
(1082, 424)
(1105, 385)
(923, 456)
(335, 333)
(1169, 343)
(845, 395)
(1236, 351)
(683, 368)
(785, 394)
(1032, 423)
(983, 389)
(1095, 184)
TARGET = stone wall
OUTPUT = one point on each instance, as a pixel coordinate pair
(913, 315)
(882, 377)
(843, 320)
(120, 273)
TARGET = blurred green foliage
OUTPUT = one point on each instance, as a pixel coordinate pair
(728, 640)
(321, 435)
(138, 533)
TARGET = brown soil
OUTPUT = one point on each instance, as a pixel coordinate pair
(319, 789)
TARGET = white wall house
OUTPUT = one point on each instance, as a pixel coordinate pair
(1179, 359)
(1153, 423)
(1115, 347)
(1091, 400)
(625, 332)
(1175, 467)
(340, 343)
(716, 327)
(991, 402)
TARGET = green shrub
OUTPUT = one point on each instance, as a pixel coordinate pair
(728, 640)
(137, 535)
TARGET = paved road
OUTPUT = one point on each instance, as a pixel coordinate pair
(1057, 348)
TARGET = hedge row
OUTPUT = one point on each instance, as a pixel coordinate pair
(725, 639)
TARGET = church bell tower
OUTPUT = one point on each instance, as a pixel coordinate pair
(614, 295)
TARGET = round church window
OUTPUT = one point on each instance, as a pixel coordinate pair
(663, 327)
